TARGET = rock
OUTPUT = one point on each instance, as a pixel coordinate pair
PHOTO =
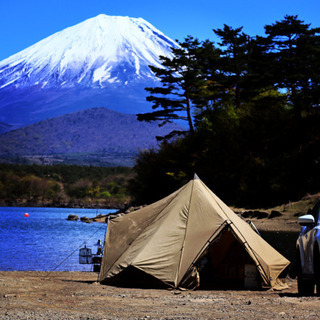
(274, 214)
(84, 219)
(255, 214)
(115, 215)
(9, 295)
(73, 217)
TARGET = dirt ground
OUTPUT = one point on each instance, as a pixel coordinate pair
(277, 224)
(77, 295)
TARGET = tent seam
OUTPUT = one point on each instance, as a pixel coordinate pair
(206, 244)
(184, 238)
(246, 244)
(140, 233)
(230, 222)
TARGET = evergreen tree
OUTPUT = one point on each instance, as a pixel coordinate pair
(234, 61)
(293, 51)
(255, 102)
(210, 95)
(180, 78)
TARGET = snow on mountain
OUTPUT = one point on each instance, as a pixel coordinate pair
(99, 51)
(101, 62)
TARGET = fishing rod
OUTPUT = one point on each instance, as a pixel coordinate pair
(49, 272)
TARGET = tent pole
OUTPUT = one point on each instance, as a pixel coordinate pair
(246, 244)
(205, 246)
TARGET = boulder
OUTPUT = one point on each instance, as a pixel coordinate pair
(73, 217)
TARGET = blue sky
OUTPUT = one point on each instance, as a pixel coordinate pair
(25, 22)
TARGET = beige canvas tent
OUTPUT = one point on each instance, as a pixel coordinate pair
(186, 239)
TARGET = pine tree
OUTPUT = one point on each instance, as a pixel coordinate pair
(234, 61)
(293, 49)
(180, 77)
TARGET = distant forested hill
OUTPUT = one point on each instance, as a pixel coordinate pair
(64, 186)
(93, 136)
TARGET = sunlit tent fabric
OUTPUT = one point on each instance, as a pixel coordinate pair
(168, 239)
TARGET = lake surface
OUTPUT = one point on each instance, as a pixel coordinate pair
(44, 239)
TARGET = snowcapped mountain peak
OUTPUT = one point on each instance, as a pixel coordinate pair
(94, 53)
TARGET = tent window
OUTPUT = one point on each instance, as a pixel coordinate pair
(226, 264)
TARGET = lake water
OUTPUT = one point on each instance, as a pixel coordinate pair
(44, 239)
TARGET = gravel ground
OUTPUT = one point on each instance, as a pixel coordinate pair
(77, 295)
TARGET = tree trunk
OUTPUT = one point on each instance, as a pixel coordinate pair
(189, 113)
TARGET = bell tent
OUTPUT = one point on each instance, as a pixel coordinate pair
(186, 239)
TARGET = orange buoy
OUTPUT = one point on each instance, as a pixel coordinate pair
(26, 215)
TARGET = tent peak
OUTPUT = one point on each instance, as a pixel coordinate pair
(195, 177)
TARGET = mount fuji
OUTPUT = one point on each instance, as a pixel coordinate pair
(101, 62)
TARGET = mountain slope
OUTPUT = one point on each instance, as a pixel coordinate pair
(4, 127)
(98, 51)
(101, 62)
(99, 133)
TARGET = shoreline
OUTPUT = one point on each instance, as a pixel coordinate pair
(77, 295)
(283, 223)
